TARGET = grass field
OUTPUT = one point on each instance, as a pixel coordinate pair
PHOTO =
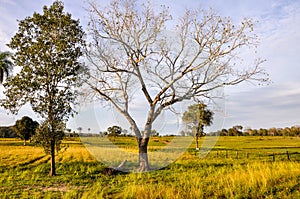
(237, 167)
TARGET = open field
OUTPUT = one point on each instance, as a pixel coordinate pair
(237, 167)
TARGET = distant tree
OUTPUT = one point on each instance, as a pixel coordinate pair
(125, 132)
(263, 132)
(247, 131)
(235, 131)
(5, 65)
(47, 47)
(224, 132)
(239, 129)
(197, 116)
(272, 131)
(231, 131)
(79, 129)
(286, 131)
(89, 129)
(255, 132)
(74, 134)
(25, 128)
(7, 132)
(69, 130)
(295, 130)
(182, 133)
(114, 130)
(154, 133)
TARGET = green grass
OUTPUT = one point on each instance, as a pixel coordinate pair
(221, 174)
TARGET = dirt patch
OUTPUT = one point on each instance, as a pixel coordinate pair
(61, 188)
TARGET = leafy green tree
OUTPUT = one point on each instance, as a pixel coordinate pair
(7, 132)
(224, 132)
(196, 117)
(114, 130)
(263, 132)
(154, 133)
(25, 128)
(235, 131)
(48, 47)
(5, 65)
(79, 129)
(295, 130)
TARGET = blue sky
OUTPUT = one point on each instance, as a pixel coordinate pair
(249, 105)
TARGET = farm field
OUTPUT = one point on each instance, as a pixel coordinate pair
(237, 167)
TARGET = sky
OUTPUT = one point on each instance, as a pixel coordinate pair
(247, 104)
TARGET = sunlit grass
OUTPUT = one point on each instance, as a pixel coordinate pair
(13, 153)
(220, 174)
(254, 180)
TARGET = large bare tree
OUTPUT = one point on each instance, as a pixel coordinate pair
(140, 50)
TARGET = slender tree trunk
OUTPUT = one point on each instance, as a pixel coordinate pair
(52, 169)
(199, 133)
(197, 136)
(24, 142)
(143, 154)
(197, 144)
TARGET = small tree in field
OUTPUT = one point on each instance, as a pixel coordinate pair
(134, 52)
(79, 129)
(196, 117)
(25, 128)
(114, 130)
(47, 47)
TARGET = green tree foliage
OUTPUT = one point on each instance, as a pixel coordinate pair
(196, 117)
(7, 132)
(114, 130)
(237, 131)
(79, 129)
(42, 136)
(48, 47)
(5, 65)
(154, 133)
(25, 128)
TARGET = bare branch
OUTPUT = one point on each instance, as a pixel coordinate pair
(132, 53)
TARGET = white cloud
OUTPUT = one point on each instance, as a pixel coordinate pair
(6, 119)
(265, 107)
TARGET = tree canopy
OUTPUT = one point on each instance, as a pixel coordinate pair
(26, 128)
(198, 114)
(114, 130)
(196, 117)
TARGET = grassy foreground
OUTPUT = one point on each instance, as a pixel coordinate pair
(237, 167)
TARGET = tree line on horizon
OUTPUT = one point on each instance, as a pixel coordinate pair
(293, 131)
(240, 131)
